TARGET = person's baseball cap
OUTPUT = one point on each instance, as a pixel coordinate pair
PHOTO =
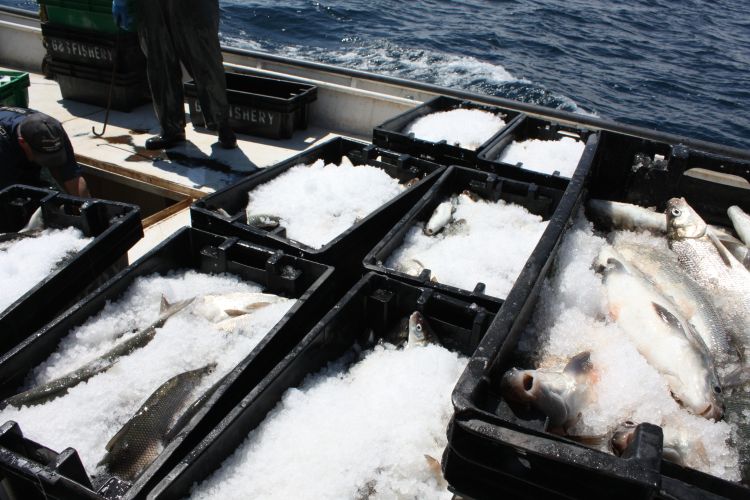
(46, 137)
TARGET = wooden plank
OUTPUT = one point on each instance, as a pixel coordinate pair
(167, 212)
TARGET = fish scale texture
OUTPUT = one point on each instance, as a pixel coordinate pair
(141, 442)
(729, 287)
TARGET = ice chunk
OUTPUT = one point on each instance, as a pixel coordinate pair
(28, 261)
(319, 202)
(491, 245)
(545, 156)
(466, 128)
(356, 433)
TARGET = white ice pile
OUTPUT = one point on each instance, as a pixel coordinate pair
(361, 432)
(491, 247)
(466, 128)
(93, 411)
(571, 317)
(28, 261)
(545, 156)
(318, 202)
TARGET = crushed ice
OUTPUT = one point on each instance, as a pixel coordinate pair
(466, 128)
(545, 156)
(491, 246)
(26, 262)
(356, 432)
(93, 411)
(318, 202)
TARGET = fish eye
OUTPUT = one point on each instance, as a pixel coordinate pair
(676, 212)
(419, 327)
(717, 389)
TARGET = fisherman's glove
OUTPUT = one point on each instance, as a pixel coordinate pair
(121, 14)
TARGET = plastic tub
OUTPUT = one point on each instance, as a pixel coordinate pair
(94, 49)
(16, 91)
(347, 249)
(539, 200)
(115, 228)
(91, 85)
(368, 312)
(391, 134)
(524, 129)
(492, 450)
(267, 107)
(187, 249)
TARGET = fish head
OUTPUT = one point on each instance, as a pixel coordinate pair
(682, 221)
(702, 395)
(546, 392)
(622, 437)
(419, 334)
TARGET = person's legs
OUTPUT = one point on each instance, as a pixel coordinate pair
(164, 71)
(195, 32)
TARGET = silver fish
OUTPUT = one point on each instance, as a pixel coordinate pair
(678, 446)
(712, 266)
(440, 217)
(60, 386)
(560, 396)
(140, 440)
(662, 269)
(220, 307)
(617, 215)
(263, 221)
(740, 251)
(741, 223)
(420, 333)
(662, 336)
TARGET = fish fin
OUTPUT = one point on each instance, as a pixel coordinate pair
(110, 446)
(737, 378)
(667, 316)
(701, 454)
(579, 364)
(725, 255)
(164, 305)
(434, 465)
(233, 313)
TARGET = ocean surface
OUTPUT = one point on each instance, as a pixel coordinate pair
(681, 67)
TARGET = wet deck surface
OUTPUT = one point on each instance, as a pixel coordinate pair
(197, 167)
(190, 171)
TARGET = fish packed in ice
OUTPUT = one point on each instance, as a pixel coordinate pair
(316, 203)
(31, 254)
(543, 156)
(122, 384)
(370, 426)
(659, 308)
(465, 128)
(468, 240)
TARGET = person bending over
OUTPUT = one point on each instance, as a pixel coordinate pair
(30, 141)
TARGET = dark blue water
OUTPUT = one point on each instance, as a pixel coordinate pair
(678, 66)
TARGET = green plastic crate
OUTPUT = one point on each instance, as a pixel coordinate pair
(92, 15)
(16, 91)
